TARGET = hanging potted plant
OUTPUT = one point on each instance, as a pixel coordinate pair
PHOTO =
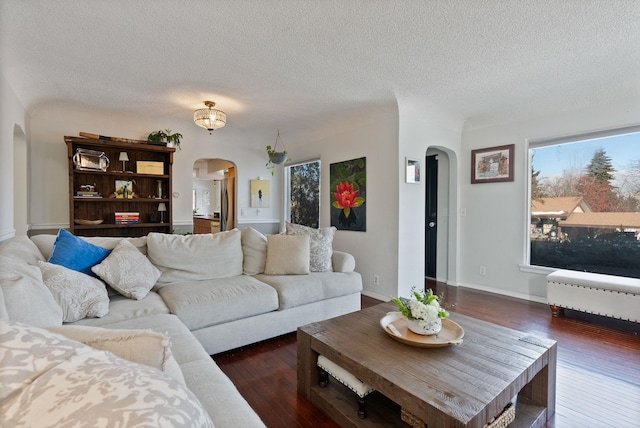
(166, 137)
(276, 157)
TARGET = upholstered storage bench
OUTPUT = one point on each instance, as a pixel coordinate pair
(611, 296)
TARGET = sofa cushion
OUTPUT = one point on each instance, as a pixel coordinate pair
(299, 290)
(196, 257)
(44, 243)
(287, 255)
(146, 346)
(4, 315)
(26, 298)
(67, 380)
(320, 245)
(75, 253)
(128, 271)
(254, 251)
(22, 250)
(122, 308)
(200, 304)
(78, 295)
(213, 388)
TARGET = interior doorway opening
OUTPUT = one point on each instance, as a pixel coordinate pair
(214, 195)
(437, 219)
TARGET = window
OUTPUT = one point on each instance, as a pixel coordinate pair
(585, 203)
(303, 193)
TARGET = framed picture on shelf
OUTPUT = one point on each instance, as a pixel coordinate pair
(493, 164)
(124, 189)
(412, 170)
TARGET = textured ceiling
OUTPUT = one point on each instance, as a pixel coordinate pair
(276, 62)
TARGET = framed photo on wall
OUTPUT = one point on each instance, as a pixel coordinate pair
(412, 170)
(260, 193)
(493, 164)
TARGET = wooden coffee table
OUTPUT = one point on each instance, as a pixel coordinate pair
(455, 386)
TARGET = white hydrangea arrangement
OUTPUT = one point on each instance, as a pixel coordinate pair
(424, 307)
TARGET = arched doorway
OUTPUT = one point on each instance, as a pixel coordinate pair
(439, 203)
(214, 200)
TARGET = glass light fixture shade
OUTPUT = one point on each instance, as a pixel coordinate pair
(210, 118)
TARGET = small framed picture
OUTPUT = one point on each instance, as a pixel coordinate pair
(412, 170)
(124, 189)
(260, 193)
(493, 164)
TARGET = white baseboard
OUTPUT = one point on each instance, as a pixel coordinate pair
(376, 296)
(504, 292)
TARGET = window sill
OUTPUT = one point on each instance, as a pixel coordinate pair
(540, 270)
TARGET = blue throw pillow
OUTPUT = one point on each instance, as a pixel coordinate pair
(75, 253)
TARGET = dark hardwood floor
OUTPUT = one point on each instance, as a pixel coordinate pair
(598, 373)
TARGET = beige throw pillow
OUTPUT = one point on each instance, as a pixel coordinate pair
(321, 245)
(140, 346)
(287, 255)
(254, 251)
(128, 271)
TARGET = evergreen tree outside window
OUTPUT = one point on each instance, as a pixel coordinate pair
(585, 203)
(303, 193)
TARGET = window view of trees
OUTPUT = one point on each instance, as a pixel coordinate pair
(304, 198)
(587, 217)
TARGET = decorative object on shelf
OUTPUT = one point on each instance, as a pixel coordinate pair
(159, 195)
(124, 189)
(85, 222)
(423, 312)
(116, 139)
(209, 118)
(163, 138)
(90, 160)
(412, 170)
(124, 158)
(150, 167)
(276, 157)
(493, 164)
(162, 208)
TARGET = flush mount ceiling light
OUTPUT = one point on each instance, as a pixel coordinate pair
(209, 118)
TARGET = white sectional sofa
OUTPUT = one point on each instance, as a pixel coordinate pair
(204, 293)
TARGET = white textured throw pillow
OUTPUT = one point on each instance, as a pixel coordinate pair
(128, 271)
(321, 245)
(57, 382)
(254, 251)
(287, 255)
(79, 295)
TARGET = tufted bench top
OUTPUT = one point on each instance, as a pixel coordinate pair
(596, 280)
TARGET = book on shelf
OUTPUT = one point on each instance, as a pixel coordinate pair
(85, 194)
(127, 217)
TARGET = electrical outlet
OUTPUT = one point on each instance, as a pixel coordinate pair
(376, 280)
(483, 270)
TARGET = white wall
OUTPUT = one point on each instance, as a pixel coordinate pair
(374, 135)
(493, 233)
(423, 126)
(11, 125)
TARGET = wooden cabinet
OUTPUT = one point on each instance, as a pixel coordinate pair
(94, 198)
(205, 225)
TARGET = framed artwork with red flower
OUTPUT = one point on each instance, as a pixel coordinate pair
(348, 194)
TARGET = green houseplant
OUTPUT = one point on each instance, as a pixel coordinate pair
(165, 137)
(276, 157)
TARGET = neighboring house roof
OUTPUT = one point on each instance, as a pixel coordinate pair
(558, 207)
(604, 220)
